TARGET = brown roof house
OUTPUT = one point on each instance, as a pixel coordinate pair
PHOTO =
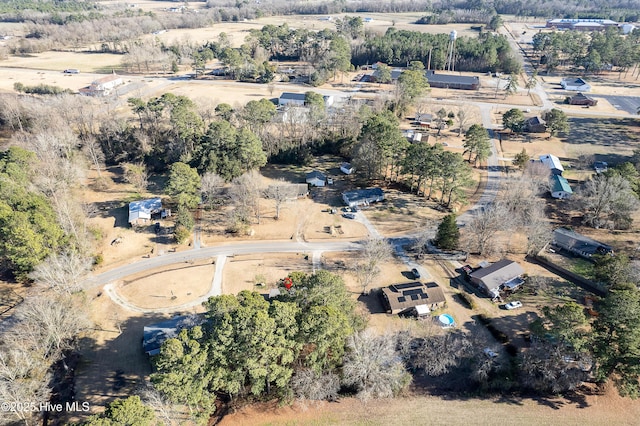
(535, 125)
(582, 99)
(503, 273)
(405, 297)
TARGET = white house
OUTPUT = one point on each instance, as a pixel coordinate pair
(346, 168)
(553, 163)
(575, 84)
(288, 98)
(560, 187)
(315, 178)
(140, 211)
(103, 86)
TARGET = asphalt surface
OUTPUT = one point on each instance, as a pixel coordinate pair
(629, 104)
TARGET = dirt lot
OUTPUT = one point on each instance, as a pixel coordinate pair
(582, 410)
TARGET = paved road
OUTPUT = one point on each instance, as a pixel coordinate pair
(629, 104)
(211, 252)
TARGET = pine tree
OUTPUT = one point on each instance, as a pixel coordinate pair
(448, 235)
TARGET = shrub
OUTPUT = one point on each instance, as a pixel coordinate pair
(467, 299)
(181, 234)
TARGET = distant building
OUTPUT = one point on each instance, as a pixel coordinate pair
(575, 85)
(316, 178)
(140, 212)
(560, 187)
(553, 163)
(103, 86)
(581, 24)
(155, 335)
(288, 98)
(491, 278)
(362, 197)
(451, 81)
(579, 244)
(535, 125)
(402, 298)
(582, 99)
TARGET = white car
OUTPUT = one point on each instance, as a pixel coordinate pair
(489, 353)
(513, 305)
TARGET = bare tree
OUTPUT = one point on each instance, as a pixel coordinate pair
(211, 188)
(245, 192)
(374, 252)
(94, 153)
(281, 193)
(163, 408)
(463, 118)
(480, 232)
(136, 174)
(437, 354)
(62, 272)
(607, 201)
(309, 384)
(373, 366)
(550, 368)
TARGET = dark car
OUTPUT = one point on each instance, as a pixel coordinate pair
(415, 273)
(349, 216)
(156, 227)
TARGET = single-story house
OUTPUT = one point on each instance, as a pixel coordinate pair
(600, 166)
(346, 168)
(452, 81)
(289, 98)
(141, 211)
(362, 197)
(553, 163)
(535, 125)
(491, 278)
(315, 178)
(579, 244)
(401, 298)
(103, 86)
(582, 99)
(155, 335)
(575, 85)
(424, 119)
(560, 187)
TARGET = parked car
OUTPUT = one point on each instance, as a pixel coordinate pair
(416, 273)
(156, 227)
(71, 71)
(349, 216)
(513, 305)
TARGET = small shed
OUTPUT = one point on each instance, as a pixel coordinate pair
(362, 197)
(423, 118)
(560, 187)
(346, 168)
(315, 178)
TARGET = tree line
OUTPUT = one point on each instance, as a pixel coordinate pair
(594, 52)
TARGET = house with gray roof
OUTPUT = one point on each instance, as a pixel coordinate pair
(491, 278)
(579, 244)
(316, 178)
(362, 197)
(575, 85)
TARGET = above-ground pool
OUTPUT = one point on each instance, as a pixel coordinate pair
(446, 320)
